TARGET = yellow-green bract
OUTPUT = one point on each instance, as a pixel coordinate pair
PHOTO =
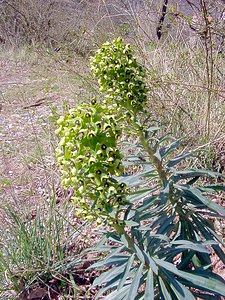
(89, 159)
(119, 75)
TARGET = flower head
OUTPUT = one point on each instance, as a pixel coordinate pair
(120, 75)
(89, 159)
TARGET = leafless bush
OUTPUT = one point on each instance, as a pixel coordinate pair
(82, 25)
(28, 21)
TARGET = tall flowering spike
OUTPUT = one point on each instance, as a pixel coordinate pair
(120, 75)
(89, 159)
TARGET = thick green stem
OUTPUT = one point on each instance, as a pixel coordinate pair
(121, 230)
(155, 160)
(157, 163)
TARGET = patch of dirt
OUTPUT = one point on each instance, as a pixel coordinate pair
(27, 140)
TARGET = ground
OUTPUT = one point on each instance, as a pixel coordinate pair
(30, 94)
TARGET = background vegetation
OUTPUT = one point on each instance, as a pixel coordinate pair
(44, 53)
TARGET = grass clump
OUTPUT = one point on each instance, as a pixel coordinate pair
(35, 256)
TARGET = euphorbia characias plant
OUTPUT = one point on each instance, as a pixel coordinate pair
(161, 237)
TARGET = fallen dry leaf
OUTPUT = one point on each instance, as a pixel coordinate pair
(37, 293)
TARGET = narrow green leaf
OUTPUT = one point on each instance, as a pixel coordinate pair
(157, 154)
(204, 280)
(149, 288)
(135, 179)
(164, 151)
(161, 237)
(135, 284)
(209, 234)
(163, 290)
(114, 238)
(183, 244)
(212, 188)
(125, 241)
(184, 174)
(179, 289)
(186, 260)
(153, 129)
(131, 223)
(145, 191)
(160, 220)
(150, 213)
(196, 194)
(109, 275)
(145, 196)
(126, 272)
(139, 253)
(118, 295)
(173, 162)
(151, 263)
(109, 286)
(148, 202)
(205, 296)
(166, 225)
(115, 260)
(114, 252)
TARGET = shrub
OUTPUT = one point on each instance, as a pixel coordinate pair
(159, 237)
(29, 22)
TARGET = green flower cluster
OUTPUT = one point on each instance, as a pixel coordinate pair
(120, 75)
(89, 159)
